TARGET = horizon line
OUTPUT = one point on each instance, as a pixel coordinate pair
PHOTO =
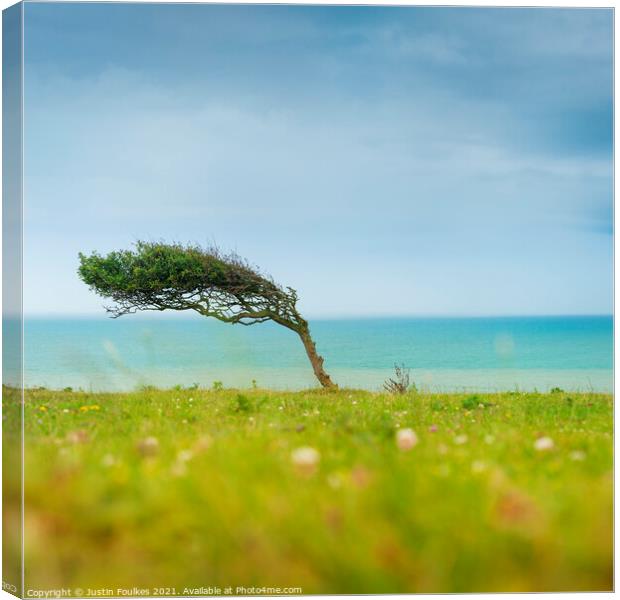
(186, 315)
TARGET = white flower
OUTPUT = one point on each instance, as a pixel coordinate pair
(305, 459)
(148, 446)
(478, 466)
(577, 455)
(185, 455)
(334, 481)
(406, 439)
(460, 439)
(489, 439)
(544, 443)
(108, 460)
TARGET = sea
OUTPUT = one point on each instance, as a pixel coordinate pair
(442, 354)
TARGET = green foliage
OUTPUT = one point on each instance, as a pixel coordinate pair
(217, 386)
(557, 390)
(158, 276)
(152, 267)
(475, 401)
(470, 402)
(242, 404)
(179, 387)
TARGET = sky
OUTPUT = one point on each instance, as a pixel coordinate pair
(383, 161)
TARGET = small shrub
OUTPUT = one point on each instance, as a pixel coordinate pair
(470, 403)
(218, 386)
(557, 390)
(68, 389)
(242, 404)
(399, 385)
(146, 388)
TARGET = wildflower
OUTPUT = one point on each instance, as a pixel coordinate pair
(406, 439)
(334, 481)
(66, 410)
(489, 439)
(577, 455)
(148, 446)
(478, 466)
(459, 440)
(77, 437)
(305, 459)
(43, 408)
(108, 460)
(203, 443)
(185, 455)
(544, 443)
(433, 428)
(360, 476)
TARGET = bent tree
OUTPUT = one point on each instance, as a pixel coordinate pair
(157, 276)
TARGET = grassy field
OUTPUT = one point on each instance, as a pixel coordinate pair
(186, 489)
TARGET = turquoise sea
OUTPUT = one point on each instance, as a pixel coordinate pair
(481, 354)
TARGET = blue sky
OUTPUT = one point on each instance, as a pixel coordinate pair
(382, 161)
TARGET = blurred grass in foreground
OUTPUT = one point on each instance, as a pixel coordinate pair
(191, 488)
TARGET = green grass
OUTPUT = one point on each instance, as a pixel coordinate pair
(216, 500)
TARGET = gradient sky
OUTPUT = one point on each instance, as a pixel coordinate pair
(383, 161)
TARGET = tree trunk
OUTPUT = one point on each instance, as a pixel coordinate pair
(315, 359)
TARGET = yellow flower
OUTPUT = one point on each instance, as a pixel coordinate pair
(43, 408)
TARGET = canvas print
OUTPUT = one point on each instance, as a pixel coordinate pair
(306, 299)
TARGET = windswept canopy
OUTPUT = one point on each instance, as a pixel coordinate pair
(157, 276)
